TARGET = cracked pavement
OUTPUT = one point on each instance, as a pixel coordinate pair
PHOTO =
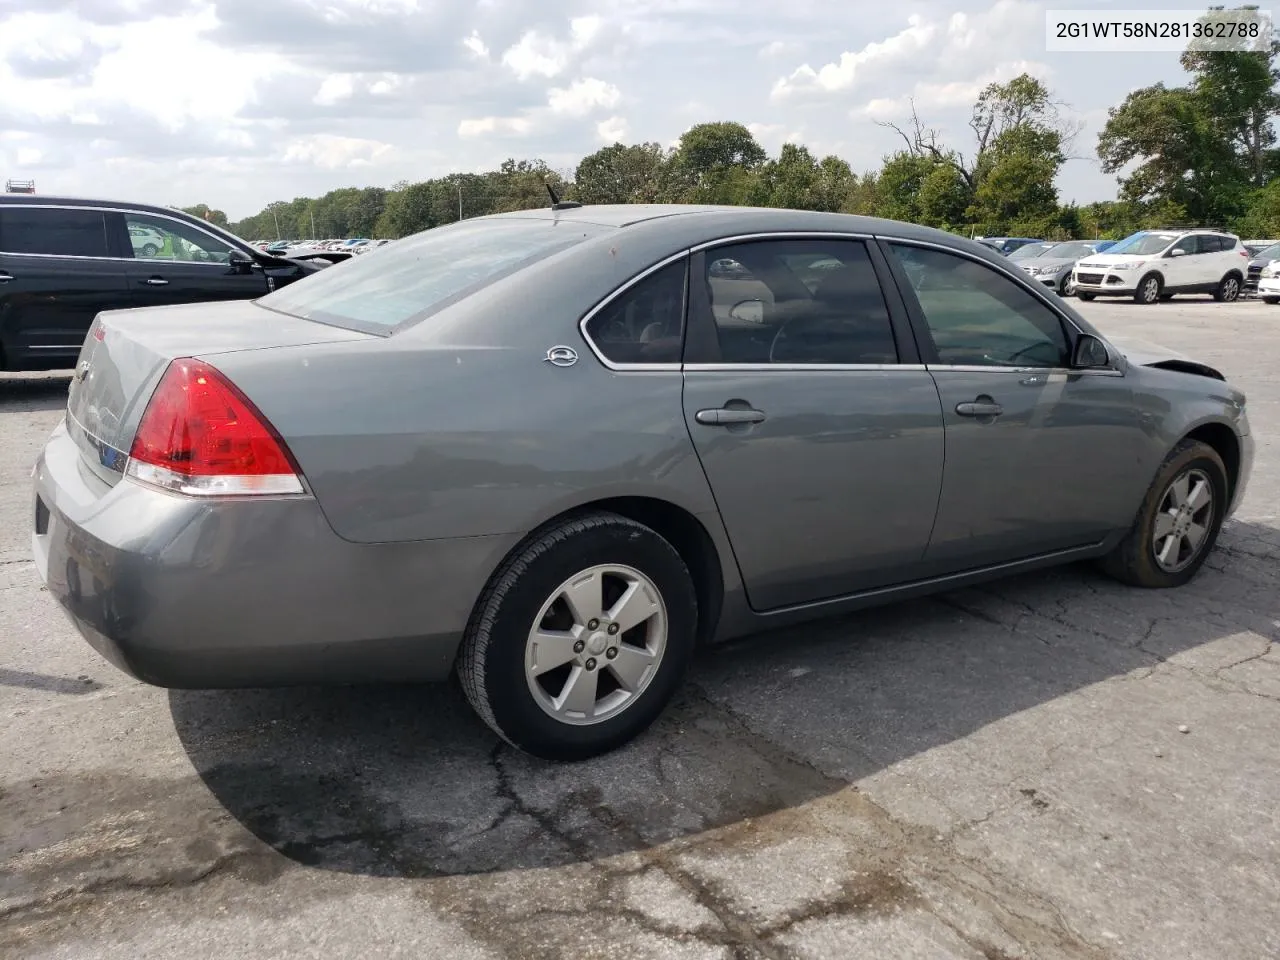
(1052, 766)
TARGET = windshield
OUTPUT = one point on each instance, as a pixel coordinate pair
(1029, 251)
(1144, 243)
(1268, 253)
(404, 282)
(1072, 250)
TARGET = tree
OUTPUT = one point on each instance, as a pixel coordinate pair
(715, 163)
(621, 174)
(204, 212)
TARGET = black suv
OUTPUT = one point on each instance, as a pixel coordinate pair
(62, 261)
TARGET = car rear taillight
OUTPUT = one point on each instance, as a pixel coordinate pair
(200, 435)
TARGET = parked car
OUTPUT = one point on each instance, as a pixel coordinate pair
(1255, 247)
(1030, 251)
(1155, 265)
(1053, 266)
(1007, 245)
(551, 451)
(1261, 259)
(63, 260)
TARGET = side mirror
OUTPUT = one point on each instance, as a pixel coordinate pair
(748, 311)
(1175, 252)
(1090, 354)
(240, 261)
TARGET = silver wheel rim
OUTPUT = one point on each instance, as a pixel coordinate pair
(1230, 289)
(1068, 287)
(1150, 290)
(1183, 521)
(596, 644)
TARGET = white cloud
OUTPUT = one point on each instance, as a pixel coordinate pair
(500, 126)
(956, 93)
(903, 46)
(536, 54)
(613, 130)
(583, 97)
(335, 88)
(333, 152)
(477, 46)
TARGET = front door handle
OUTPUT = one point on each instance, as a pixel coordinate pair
(156, 282)
(982, 407)
(5, 277)
(727, 416)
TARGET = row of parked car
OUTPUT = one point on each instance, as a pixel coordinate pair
(352, 245)
(1150, 265)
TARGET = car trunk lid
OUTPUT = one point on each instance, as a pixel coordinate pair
(127, 351)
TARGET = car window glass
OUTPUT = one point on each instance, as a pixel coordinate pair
(158, 238)
(418, 276)
(645, 323)
(797, 301)
(53, 232)
(1143, 244)
(977, 317)
(1189, 245)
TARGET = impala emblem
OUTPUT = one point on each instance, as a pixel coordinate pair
(562, 356)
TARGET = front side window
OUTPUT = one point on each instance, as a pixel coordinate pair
(797, 302)
(53, 232)
(644, 323)
(1189, 245)
(977, 317)
(159, 238)
(420, 275)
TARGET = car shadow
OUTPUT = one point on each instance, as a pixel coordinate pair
(40, 391)
(404, 781)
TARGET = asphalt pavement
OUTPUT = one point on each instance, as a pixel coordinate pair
(1052, 766)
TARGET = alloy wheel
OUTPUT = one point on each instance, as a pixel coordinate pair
(596, 644)
(1183, 521)
(1150, 290)
(1230, 289)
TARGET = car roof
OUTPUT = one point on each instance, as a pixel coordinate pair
(741, 218)
(28, 200)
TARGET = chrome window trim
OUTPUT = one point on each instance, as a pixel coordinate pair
(55, 346)
(808, 367)
(782, 235)
(121, 210)
(1025, 371)
(614, 295)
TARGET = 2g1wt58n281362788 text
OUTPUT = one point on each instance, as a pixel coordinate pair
(1157, 31)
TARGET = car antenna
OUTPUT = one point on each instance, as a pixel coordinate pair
(556, 202)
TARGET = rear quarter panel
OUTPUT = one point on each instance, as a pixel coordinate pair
(413, 442)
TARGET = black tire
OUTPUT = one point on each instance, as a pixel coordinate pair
(1228, 290)
(1271, 300)
(150, 250)
(1133, 561)
(1086, 297)
(1148, 289)
(491, 663)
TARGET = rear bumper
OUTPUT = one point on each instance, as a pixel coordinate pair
(190, 594)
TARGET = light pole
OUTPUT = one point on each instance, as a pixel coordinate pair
(459, 199)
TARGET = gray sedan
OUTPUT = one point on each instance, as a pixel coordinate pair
(1054, 265)
(555, 451)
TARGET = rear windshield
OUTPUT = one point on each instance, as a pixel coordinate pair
(402, 283)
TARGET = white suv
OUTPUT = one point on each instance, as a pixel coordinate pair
(1153, 265)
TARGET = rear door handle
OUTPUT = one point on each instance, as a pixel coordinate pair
(727, 416)
(979, 408)
(156, 282)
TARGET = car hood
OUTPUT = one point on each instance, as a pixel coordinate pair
(1144, 353)
(1107, 260)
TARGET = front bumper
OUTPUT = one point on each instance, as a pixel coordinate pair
(188, 593)
(1105, 283)
(1269, 286)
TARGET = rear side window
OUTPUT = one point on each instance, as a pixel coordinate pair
(53, 232)
(644, 323)
(404, 282)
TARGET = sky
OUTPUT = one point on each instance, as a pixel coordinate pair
(236, 103)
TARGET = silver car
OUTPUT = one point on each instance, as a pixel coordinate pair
(556, 451)
(1054, 265)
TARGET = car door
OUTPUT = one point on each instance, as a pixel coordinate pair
(56, 275)
(1186, 267)
(818, 430)
(1039, 457)
(178, 262)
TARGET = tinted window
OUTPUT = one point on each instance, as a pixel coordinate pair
(64, 233)
(158, 238)
(645, 323)
(978, 317)
(797, 301)
(1143, 243)
(406, 281)
(1190, 245)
